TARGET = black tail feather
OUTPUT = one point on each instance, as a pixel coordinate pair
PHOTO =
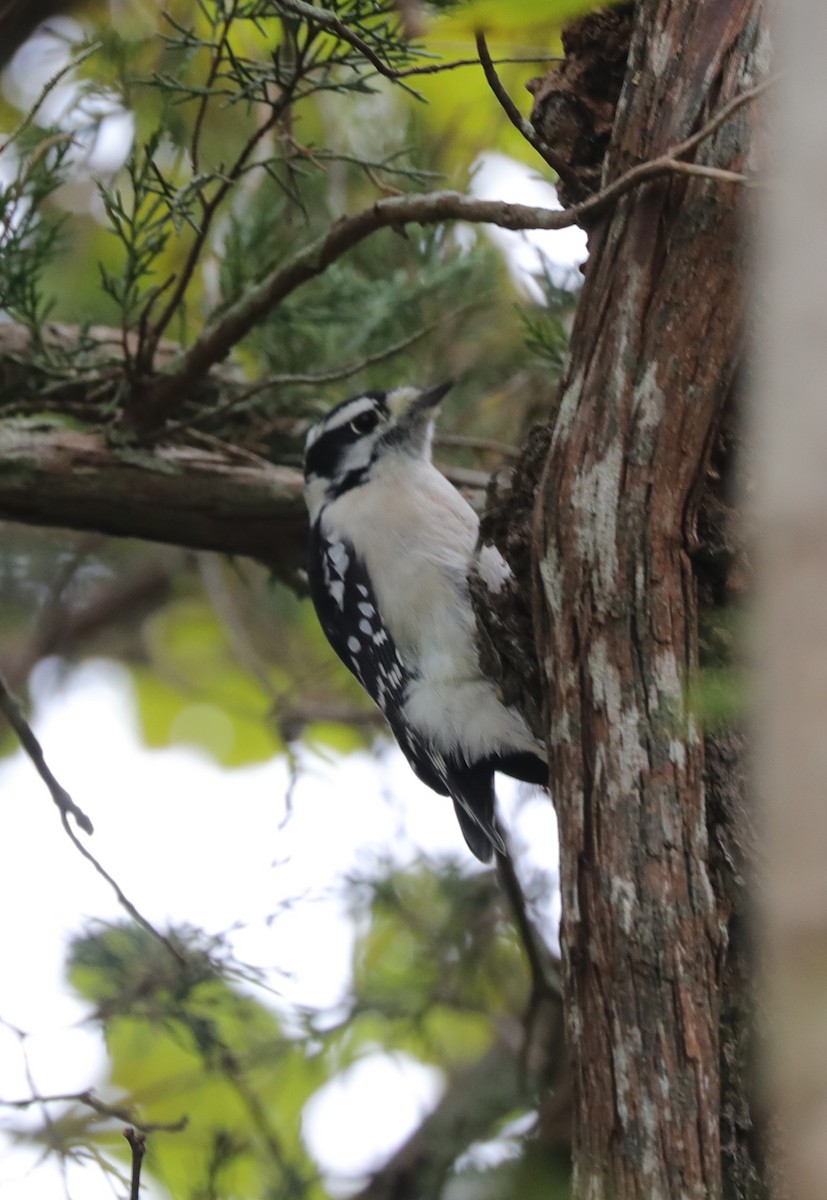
(472, 790)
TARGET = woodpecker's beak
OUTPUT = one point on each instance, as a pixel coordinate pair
(433, 396)
(412, 412)
(408, 406)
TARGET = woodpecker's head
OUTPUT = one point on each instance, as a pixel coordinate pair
(343, 448)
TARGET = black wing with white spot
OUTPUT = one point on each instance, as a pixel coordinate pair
(346, 607)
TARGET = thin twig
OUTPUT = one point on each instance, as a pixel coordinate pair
(319, 379)
(122, 898)
(307, 380)
(137, 1144)
(722, 115)
(435, 68)
(334, 24)
(545, 978)
(209, 209)
(669, 162)
(25, 734)
(229, 449)
(215, 63)
(48, 87)
(464, 477)
(90, 1100)
(557, 163)
(677, 167)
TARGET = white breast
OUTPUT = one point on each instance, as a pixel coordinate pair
(416, 535)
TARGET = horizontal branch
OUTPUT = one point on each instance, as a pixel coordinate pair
(427, 208)
(201, 499)
(88, 1099)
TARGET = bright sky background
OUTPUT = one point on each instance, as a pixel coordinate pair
(170, 824)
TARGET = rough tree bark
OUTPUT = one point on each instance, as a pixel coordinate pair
(653, 361)
(207, 499)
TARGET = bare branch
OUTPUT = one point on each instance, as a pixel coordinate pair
(26, 736)
(172, 428)
(360, 364)
(721, 116)
(464, 442)
(554, 160)
(89, 1100)
(428, 208)
(137, 1144)
(11, 710)
(122, 898)
(437, 68)
(48, 87)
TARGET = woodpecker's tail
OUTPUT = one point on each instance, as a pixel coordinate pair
(472, 791)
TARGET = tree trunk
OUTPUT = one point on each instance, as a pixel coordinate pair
(653, 362)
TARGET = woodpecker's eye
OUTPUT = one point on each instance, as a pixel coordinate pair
(365, 421)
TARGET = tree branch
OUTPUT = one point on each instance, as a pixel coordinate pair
(521, 123)
(26, 736)
(111, 1112)
(137, 1144)
(427, 208)
(203, 499)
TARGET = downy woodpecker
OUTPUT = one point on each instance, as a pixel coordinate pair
(391, 545)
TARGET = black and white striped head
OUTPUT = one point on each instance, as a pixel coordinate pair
(342, 449)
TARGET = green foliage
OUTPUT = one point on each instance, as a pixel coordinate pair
(546, 326)
(222, 1078)
(193, 1053)
(143, 219)
(720, 694)
(252, 127)
(29, 238)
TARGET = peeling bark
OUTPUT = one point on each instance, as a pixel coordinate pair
(653, 360)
